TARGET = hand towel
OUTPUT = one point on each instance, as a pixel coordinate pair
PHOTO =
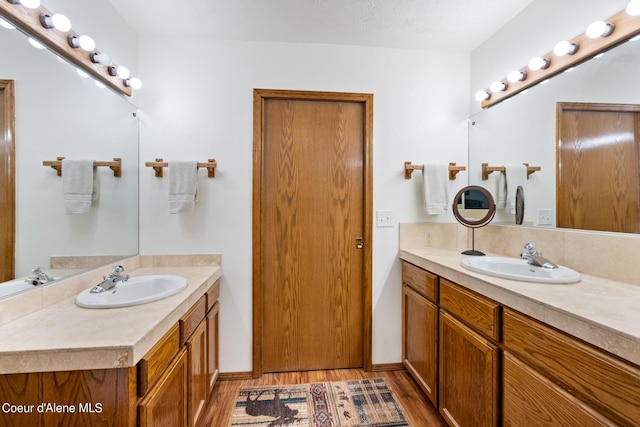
(515, 175)
(78, 185)
(183, 186)
(435, 186)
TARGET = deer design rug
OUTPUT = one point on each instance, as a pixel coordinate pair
(330, 404)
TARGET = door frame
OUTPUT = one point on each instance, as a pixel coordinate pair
(259, 98)
(8, 158)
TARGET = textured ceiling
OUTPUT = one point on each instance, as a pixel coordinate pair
(452, 25)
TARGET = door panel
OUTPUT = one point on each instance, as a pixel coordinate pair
(598, 182)
(312, 211)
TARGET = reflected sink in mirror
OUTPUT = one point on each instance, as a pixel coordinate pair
(135, 291)
(14, 286)
(519, 269)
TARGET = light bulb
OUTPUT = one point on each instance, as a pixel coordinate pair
(498, 87)
(600, 29)
(633, 8)
(123, 72)
(5, 24)
(539, 63)
(100, 58)
(87, 43)
(31, 4)
(516, 76)
(565, 48)
(482, 95)
(61, 22)
(135, 83)
(36, 43)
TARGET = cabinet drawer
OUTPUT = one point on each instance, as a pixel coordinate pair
(190, 321)
(605, 382)
(213, 294)
(530, 399)
(477, 311)
(154, 363)
(423, 282)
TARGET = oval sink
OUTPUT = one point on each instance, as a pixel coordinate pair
(519, 269)
(135, 291)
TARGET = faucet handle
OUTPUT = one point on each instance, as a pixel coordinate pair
(530, 248)
(117, 269)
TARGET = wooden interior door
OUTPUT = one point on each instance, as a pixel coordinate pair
(7, 181)
(597, 173)
(311, 275)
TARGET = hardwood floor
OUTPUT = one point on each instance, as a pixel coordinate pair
(419, 410)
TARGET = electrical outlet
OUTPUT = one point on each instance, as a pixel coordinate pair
(428, 239)
(384, 218)
(545, 217)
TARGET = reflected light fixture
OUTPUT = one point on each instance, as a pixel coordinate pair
(516, 76)
(498, 87)
(482, 95)
(35, 43)
(600, 29)
(5, 24)
(633, 8)
(539, 63)
(565, 48)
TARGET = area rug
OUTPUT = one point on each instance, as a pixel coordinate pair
(357, 403)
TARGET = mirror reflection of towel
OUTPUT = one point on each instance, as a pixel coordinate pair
(436, 188)
(183, 186)
(508, 182)
(79, 185)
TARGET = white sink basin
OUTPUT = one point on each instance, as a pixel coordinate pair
(135, 291)
(14, 286)
(519, 269)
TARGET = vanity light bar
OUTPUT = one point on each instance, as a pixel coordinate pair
(36, 23)
(617, 29)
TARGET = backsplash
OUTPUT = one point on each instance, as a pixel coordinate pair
(610, 255)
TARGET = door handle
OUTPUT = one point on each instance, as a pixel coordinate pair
(359, 243)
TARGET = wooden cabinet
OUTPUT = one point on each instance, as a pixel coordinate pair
(165, 404)
(468, 375)
(420, 328)
(420, 340)
(169, 386)
(596, 380)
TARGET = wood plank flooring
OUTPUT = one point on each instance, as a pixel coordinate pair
(419, 410)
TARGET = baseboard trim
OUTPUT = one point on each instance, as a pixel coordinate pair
(381, 367)
(235, 376)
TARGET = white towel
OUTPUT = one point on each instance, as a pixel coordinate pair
(508, 183)
(79, 185)
(435, 186)
(183, 186)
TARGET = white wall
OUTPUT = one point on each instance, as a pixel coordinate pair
(534, 32)
(197, 103)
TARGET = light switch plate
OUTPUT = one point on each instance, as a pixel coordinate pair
(384, 218)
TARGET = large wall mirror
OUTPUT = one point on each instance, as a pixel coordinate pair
(522, 129)
(60, 113)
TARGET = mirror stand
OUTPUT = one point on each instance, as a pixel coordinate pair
(473, 251)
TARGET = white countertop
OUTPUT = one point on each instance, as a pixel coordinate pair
(63, 336)
(602, 312)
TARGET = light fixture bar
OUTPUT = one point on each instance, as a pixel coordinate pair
(626, 26)
(28, 21)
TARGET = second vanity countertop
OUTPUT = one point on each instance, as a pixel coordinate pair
(64, 337)
(602, 312)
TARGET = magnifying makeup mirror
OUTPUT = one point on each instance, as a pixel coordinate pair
(474, 207)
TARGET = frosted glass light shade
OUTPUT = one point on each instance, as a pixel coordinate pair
(516, 76)
(498, 87)
(539, 63)
(61, 22)
(633, 8)
(123, 72)
(482, 95)
(565, 48)
(87, 43)
(31, 4)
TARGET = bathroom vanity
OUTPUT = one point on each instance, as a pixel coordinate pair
(146, 365)
(490, 351)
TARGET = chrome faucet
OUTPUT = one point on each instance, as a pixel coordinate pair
(111, 280)
(534, 257)
(38, 277)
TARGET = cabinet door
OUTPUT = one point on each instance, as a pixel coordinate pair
(529, 399)
(419, 340)
(197, 372)
(468, 392)
(166, 404)
(212, 345)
